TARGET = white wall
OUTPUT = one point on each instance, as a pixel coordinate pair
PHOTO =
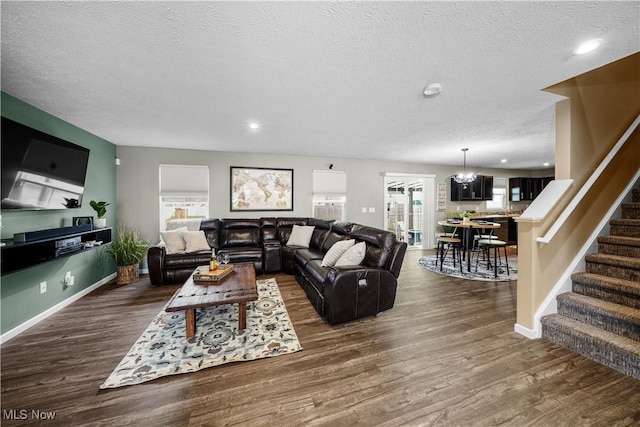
(138, 185)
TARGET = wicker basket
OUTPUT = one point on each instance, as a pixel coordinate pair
(128, 274)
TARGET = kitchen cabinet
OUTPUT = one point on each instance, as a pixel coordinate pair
(526, 189)
(480, 189)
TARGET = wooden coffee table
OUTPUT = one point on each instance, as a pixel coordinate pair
(238, 287)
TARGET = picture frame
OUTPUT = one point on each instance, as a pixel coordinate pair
(260, 189)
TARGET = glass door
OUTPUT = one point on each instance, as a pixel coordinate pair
(405, 209)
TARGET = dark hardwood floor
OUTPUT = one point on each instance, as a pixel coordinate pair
(446, 354)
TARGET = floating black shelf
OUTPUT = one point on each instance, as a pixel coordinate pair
(19, 255)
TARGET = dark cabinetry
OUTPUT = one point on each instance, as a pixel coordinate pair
(19, 255)
(525, 189)
(480, 189)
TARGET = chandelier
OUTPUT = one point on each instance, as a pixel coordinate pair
(464, 177)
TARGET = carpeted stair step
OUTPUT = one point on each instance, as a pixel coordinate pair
(607, 348)
(636, 195)
(612, 317)
(606, 288)
(627, 268)
(631, 210)
(624, 227)
(619, 245)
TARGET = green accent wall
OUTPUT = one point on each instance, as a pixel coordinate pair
(19, 291)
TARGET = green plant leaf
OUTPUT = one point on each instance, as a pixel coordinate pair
(129, 248)
(99, 207)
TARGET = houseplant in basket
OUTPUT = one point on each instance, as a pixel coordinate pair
(127, 252)
(101, 211)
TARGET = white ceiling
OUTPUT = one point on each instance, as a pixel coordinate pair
(339, 79)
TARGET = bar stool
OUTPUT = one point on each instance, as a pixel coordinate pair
(482, 235)
(451, 243)
(495, 244)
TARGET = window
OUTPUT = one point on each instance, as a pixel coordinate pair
(184, 194)
(330, 207)
(499, 193)
(330, 195)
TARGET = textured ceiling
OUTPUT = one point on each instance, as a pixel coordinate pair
(340, 79)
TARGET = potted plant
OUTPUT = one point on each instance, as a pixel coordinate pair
(127, 252)
(466, 216)
(101, 210)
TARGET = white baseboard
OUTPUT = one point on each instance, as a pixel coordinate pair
(62, 304)
(529, 333)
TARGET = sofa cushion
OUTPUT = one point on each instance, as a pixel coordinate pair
(284, 227)
(239, 233)
(322, 227)
(302, 256)
(243, 254)
(173, 241)
(195, 241)
(336, 251)
(379, 245)
(300, 236)
(191, 260)
(268, 229)
(353, 256)
(211, 227)
(339, 231)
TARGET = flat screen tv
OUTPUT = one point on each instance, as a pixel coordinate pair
(40, 171)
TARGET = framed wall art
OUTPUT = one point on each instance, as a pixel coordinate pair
(261, 189)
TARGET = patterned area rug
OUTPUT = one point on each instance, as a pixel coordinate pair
(483, 272)
(163, 349)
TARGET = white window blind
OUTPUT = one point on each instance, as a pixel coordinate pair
(329, 182)
(184, 180)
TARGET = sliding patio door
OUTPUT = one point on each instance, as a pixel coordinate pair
(409, 208)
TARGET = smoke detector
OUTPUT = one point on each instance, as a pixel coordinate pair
(432, 90)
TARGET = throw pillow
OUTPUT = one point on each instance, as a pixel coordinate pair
(353, 256)
(336, 251)
(174, 243)
(300, 235)
(195, 241)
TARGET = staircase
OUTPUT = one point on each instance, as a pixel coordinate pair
(600, 318)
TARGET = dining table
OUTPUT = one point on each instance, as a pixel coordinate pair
(468, 227)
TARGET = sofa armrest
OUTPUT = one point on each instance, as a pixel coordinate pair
(271, 256)
(155, 263)
(352, 292)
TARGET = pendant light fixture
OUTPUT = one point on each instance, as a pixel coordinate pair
(464, 177)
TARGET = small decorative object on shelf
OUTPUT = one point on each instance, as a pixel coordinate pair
(101, 210)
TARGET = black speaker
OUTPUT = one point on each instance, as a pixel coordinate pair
(82, 220)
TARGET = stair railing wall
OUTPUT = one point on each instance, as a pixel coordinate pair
(602, 105)
(551, 264)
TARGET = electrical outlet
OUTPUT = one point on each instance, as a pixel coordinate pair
(68, 279)
(43, 287)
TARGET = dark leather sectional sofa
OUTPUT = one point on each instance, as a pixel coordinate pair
(339, 294)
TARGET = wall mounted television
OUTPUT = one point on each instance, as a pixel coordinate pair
(40, 171)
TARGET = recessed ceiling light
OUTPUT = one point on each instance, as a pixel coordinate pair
(254, 126)
(503, 161)
(545, 164)
(586, 47)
